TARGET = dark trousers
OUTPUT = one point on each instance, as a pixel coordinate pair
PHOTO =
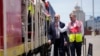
(74, 46)
(59, 48)
(66, 49)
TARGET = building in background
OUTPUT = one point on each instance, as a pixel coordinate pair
(89, 24)
(79, 13)
(97, 23)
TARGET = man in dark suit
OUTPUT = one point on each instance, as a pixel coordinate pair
(56, 37)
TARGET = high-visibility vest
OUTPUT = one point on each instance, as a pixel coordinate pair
(75, 32)
(47, 18)
(31, 8)
(75, 37)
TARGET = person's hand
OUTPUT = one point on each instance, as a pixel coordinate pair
(65, 43)
(48, 15)
(49, 42)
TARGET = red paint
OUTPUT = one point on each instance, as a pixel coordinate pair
(1, 24)
(14, 32)
(13, 22)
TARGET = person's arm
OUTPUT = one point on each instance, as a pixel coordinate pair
(50, 34)
(66, 38)
(44, 9)
(63, 29)
(65, 34)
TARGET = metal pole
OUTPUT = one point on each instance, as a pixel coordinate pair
(4, 26)
(93, 7)
(81, 4)
(93, 17)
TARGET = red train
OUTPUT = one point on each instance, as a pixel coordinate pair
(15, 37)
(10, 26)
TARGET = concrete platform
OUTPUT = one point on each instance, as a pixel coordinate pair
(95, 40)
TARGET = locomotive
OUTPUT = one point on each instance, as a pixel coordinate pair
(23, 27)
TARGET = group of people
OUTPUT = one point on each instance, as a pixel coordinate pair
(66, 37)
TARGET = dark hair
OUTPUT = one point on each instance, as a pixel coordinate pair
(43, 0)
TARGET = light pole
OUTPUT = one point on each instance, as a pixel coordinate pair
(93, 32)
(93, 7)
(81, 4)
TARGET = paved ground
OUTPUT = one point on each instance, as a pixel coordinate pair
(95, 40)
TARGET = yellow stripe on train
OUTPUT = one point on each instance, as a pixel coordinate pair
(14, 51)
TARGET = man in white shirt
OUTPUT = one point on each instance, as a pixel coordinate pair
(56, 37)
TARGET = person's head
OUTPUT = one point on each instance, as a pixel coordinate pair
(43, 0)
(72, 17)
(57, 18)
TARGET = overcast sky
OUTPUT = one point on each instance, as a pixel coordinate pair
(65, 7)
